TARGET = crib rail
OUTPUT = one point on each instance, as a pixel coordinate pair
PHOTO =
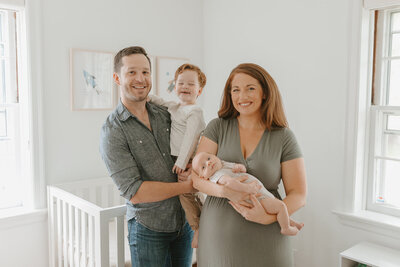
(79, 228)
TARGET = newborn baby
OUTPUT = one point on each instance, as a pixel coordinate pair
(210, 167)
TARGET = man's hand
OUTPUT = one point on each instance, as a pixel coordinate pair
(184, 177)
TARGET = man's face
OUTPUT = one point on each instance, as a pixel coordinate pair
(134, 78)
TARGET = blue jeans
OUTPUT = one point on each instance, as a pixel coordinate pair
(158, 249)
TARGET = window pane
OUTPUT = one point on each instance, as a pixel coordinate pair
(3, 94)
(10, 178)
(393, 122)
(394, 83)
(391, 146)
(395, 45)
(3, 122)
(388, 183)
(1, 26)
(396, 21)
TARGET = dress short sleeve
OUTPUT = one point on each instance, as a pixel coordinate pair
(212, 130)
(290, 147)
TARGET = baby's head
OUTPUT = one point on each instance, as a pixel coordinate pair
(206, 164)
(189, 83)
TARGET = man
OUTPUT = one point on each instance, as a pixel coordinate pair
(135, 148)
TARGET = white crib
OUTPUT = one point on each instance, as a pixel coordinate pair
(86, 224)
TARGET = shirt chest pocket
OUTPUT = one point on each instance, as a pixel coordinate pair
(144, 151)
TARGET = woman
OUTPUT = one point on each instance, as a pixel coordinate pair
(252, 130)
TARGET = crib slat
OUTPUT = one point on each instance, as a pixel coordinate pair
(102, 241)
(52, 236)
(83, 238)
(91, 242)
(119, 224)
(77, 240)
(65, 236)
(59, 233)
(71, 236)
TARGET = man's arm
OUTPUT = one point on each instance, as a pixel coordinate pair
(150, 191)
(124, 171)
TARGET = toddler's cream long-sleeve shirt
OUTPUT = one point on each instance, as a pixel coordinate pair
(187, 123)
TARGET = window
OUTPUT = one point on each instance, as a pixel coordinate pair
(383, 186)
(14, 125)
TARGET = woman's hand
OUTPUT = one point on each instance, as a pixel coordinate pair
(256, 213)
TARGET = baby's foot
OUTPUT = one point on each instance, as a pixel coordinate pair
(291, 230)
(195, 239)
(296, 224)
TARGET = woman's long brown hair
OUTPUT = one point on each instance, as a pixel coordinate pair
(272, 113)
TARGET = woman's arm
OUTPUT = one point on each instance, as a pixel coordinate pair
(294, 181)
(208, 187)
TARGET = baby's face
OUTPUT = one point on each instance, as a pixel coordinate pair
(187, 87)
(206, 164)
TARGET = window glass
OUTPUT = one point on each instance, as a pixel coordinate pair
(389, 182)
(396, 21)
(395, 45)
(394, 83)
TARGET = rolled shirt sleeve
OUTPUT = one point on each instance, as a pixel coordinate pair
(119, 161)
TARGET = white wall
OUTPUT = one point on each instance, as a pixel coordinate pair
(71, 138)
(163, 28)
(303, 45)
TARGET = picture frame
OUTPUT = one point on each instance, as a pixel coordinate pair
(153, 62)
(91, 78)
(166, 68)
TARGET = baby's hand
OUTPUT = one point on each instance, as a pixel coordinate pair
(238, 168)
(177, 170)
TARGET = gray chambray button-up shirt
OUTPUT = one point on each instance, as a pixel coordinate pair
(133, 154)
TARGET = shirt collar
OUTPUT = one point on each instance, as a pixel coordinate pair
(124, 114)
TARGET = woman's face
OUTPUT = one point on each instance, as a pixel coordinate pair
(247, 94)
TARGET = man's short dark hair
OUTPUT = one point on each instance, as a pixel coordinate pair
(126, 52)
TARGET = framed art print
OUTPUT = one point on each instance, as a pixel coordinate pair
(91, 80)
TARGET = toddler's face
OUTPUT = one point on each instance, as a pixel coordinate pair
(206, 164)
(187, 87)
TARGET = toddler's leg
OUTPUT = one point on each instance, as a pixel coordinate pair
(192, 206)
(278, 207)
(195, 240)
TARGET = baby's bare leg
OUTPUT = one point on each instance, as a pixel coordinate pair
(235, 184)
(278, 207)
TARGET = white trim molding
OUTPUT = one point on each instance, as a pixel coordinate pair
(12, 4)
(372, 222)
(379, 4)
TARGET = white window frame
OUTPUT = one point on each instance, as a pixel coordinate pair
(354, 209)
(34, 201)
(377, 116)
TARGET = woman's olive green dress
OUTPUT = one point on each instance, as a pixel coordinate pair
(226, 238)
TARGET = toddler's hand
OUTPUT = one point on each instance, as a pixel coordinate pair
(177, 170)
